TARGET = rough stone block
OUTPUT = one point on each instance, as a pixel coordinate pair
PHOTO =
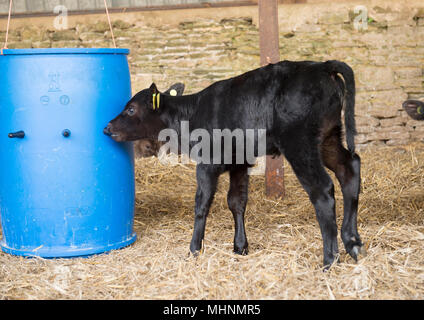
(409, 73)
(380, 110)
(361, 138)
(20, 45)
(101, 26)
(119, 24)
(88, 36)
(375, 78)
(334, 17)
(388, 135)
(398, 142)
(365, 129)
(41, 44)
(66, 44)
(392, 122)
(307, 28)
(393, 97)
(65, 35)
(366, 120)
(33, 34)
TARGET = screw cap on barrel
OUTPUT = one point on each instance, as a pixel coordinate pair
(66, 133)
(17, 134)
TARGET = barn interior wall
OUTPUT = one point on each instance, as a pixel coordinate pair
(201, 46)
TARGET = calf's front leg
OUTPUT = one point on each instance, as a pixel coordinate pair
(207, 178)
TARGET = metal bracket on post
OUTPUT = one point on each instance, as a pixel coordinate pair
(270, 53)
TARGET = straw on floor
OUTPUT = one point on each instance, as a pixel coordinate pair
(285, 257)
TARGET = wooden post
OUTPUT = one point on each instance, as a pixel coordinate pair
(270, 53)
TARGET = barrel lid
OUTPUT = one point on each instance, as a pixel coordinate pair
(66, 51)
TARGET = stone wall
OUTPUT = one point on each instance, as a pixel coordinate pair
(201, 46)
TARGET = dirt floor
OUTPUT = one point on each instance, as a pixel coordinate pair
(285, 257)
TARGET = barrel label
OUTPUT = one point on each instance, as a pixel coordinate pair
(45, 100)
(54, 85)
(64, 100)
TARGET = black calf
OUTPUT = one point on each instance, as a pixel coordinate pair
(299, 105)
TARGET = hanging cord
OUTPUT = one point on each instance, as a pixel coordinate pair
(8, 24)
(7, 28)
(110, 24)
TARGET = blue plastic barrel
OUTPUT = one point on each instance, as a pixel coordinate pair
(66, 189)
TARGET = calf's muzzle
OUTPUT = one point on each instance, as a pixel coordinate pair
(107, 131)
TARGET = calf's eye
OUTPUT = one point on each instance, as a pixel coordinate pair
(130, 111)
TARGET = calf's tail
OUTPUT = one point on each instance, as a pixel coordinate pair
(349, 100)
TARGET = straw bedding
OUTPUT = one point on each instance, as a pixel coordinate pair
(285, 243)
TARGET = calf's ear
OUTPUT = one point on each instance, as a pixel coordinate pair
(176, 89)
(153, 88)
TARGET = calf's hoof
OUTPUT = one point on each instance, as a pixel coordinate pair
(356, 251)
(194, 254)
(241, 247)
(355, 247)
(330, 260)
(241, 251)
(196, 249)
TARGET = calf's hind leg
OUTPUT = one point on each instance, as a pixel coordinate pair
(346, 166)
(237, 200)
(305, 159)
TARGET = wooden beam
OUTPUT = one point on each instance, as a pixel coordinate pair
(270, 53)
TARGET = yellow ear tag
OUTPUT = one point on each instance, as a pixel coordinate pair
(173, 92)
(158, 96)
(154, 101)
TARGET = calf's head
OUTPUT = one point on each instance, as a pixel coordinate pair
(414, 108)
(140, 118)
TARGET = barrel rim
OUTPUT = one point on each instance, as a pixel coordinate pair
(65, 51)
